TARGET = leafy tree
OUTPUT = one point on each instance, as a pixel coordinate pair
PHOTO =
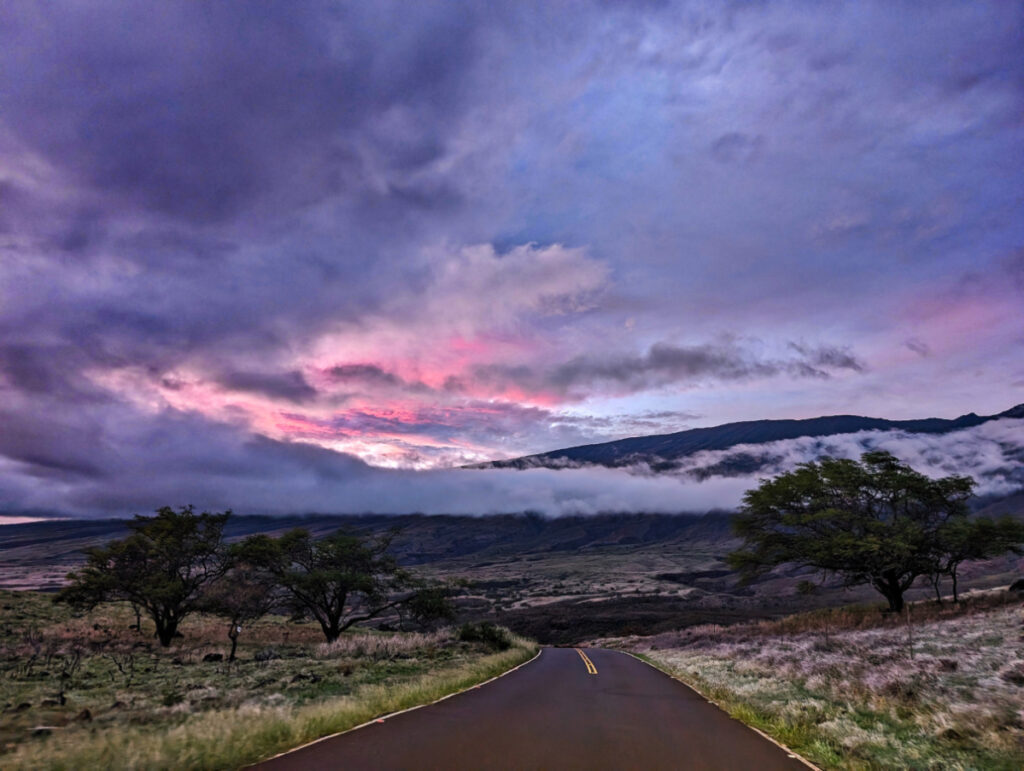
(339, 580)
(960, 539)
(431, 605)
(163, 567)
(875, 521)
(242, 595)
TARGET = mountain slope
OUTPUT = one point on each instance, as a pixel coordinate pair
(670, 447)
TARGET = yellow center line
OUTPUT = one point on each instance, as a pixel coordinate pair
(591, 669)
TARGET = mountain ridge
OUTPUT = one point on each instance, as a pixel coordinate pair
(658, 448)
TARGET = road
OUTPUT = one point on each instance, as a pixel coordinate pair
(568, 709)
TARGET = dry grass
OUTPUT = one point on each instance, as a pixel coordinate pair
(825, 621)
(237, 737)
(380, 647)
(945, 693)
(147, 707)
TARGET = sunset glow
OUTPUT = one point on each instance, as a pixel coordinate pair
(420, 236)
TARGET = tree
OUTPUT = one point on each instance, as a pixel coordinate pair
(339, 580)
(431, 605)
(242, 595)
(875, 521)
(960, 539)
(163, 567)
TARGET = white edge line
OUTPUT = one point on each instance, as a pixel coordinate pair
(388, 716)
(792, 753)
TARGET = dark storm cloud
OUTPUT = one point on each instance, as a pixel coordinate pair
(198, 114)
(665, 364)
(58, 445)
(290, 386)
(920, 347)
(372, 375)
(26, 369)
(818, 359)
(48, 371)
(736, 147)
(184, 140)
(198, 200)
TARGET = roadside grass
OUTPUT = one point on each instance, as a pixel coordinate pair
(947, 693)
(131, 704)
(874, 615)
(381, 647)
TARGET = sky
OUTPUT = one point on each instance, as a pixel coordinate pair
(266, 252)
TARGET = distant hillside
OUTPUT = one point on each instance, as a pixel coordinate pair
(38, 554)
(666, 448)
(560, 580)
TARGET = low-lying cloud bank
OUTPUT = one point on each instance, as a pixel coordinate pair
(992, 453)
(182, 459)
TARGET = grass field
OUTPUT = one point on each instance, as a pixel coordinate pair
(89, 692)
(852, 688)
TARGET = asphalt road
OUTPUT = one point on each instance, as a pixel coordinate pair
(595, 709)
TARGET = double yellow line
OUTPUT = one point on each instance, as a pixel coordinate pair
(591, 669)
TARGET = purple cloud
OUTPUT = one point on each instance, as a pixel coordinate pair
(433, 232)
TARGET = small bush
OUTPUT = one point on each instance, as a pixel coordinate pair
(1014, 674)
(488, 634)
(171, 697)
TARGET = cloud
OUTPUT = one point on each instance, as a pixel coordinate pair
(920, 347)
(736, 147)
(197, 132)
(667, 364)
(819, 359)
(73, 461)
(183, 458)
(289, 386)
(438, 232)
(369, 374)
(992, 453)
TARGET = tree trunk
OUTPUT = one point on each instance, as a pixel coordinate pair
(893, 592)
(956, 596)
(331, 627)
(936, 584)
(895, 601)
(165, 630)
(910, 634)
(233, 635)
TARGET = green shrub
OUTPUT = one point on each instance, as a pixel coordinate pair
(488, 634)
(171, 697)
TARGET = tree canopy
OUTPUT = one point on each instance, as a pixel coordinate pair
(874, 521)
(177, 563)
(341, 579)
(963, 539)
(243, 594)
(163, 567)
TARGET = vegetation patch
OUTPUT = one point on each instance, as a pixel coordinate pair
(945, 693)
(91, 691)
(486, 633)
